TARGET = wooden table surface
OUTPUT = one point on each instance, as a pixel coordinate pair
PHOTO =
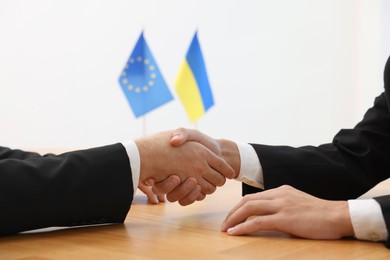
(169, 231)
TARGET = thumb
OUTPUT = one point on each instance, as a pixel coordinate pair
(180, 136)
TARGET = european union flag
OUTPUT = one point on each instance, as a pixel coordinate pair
(142, 82)
(192, 84)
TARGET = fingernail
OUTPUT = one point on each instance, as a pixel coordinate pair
(230, 231)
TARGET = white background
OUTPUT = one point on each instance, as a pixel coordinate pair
(282, 72)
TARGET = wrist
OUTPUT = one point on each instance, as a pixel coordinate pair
(143, 153)
(231, 154)
(343, 218)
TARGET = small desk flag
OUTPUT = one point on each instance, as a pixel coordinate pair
(192, 84)
(142, 82)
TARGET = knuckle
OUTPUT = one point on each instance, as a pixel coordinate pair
(285, 188)
(247, 197)
(209, 189)
(258, 221)
(251, 204)
(221, 182)
(180, 129)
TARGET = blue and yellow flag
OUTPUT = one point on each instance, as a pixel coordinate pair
(192, 84)
(142, 82)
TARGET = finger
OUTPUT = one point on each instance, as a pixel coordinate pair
(264, 195)
(259, 223)
(161, 197)
(214, 178)
(182, 190)
(179, 136)
(191, 197)
(152, 198)
(221, 166)
(250, 208)
(206, 187)
(201, 196)
(245, 199)
(182, 135)
(167, 185)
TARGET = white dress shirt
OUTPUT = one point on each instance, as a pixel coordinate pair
(366, 214)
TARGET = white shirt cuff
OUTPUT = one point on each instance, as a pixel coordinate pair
(367, 219)
(135, 162)
(251, 172)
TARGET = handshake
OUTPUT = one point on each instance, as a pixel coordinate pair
(185, 164)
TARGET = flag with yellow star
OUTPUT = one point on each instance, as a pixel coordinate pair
(142, 82)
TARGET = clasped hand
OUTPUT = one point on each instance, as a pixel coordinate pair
(195, 167)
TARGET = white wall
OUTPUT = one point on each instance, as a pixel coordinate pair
(282, 72)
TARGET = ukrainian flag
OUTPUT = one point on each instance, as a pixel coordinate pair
(192, 84)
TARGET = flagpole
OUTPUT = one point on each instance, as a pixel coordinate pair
(144, 125)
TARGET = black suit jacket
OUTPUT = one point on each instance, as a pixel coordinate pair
(355, 161)
(78, 188)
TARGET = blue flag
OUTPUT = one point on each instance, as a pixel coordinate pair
(142, 82)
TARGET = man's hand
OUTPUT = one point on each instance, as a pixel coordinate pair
(289, 210)
(225, 149)
(159, 160)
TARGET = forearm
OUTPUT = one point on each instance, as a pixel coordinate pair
(77, 188)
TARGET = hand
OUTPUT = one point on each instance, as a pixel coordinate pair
(289, 210)
(159, 160)
(152, 197)
(224, 148)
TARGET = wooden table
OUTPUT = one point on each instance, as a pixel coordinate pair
(169, 231)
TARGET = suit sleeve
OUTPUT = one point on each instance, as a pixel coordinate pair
(353, 163)
(85, 187)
